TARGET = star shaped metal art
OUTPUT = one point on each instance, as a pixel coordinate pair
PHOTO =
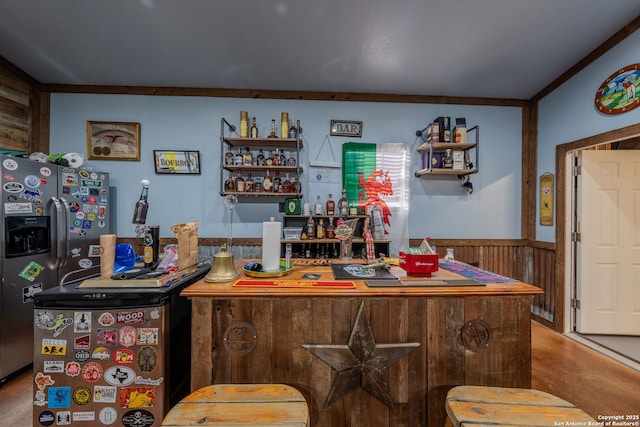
(361, 362)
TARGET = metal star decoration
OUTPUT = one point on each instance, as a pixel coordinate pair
(361, 362)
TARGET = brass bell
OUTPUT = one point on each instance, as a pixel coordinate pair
(223, 268)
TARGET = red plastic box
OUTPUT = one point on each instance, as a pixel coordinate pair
(418, 264)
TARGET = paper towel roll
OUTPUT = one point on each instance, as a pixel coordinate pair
(107, 255)
(271, 233)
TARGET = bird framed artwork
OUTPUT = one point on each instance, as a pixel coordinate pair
(113, 140)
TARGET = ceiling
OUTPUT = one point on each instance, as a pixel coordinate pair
(461, 48)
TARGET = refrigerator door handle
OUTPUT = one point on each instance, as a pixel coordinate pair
(60, 228)
(66, 236)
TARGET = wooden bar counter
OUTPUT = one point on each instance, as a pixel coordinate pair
(459, 335)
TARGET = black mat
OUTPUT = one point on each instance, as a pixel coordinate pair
(420, 283)
(359, 272)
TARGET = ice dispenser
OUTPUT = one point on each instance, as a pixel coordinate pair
(27, 235)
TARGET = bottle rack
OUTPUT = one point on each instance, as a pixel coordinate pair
(430, 147)
(228, 142)
(317, 246)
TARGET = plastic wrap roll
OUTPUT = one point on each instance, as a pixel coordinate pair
(107, 255)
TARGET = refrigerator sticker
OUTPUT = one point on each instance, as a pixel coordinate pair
(83, 174)
(32, 181)
(42, 380)
(31, 271)
(101, 353)
(123, 356)
(138, 418)
(10, 164)
(107, 337)
(29, 292)
(82, 356)
(74, 207)
(91, 183)
(94, 250)
(119, 376)
(69, 178)
(138, 397)
(59, 397)
(81, 395)
(108, 416)
(46, 418)
(147, 336)
(18, 208)
(130, 316)
(82, 322)
(106, 319)
(84, 416)
(92, 371)
(63, 418)
(147, 359)
(51, 347)
(45, 171)
(53, 366)
(127, 336)
(149, 381)
(85, 263)
(13, 187)
(104, 394)
(41, 398)
(72, 369)
(34, 196)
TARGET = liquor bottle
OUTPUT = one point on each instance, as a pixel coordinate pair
(240, 182)
(230, 184)
(320, 229)
(291, 161)
(311, 228)
(247, 157)
(447, 159)
(260, 159)
(248, 184)
(284, 124)
(277, 183)
(244, 124)
(268, 160)
(331, 230)
(239, 158)
(286, 186)
(257, 185)
(343, 204)
(267, 183)
(254, 129)
(273, 129)
(331, 206)
(283, 159)
(317, 209)
(296, 185)
(142, 206)
(275, 160)
(293, 132)
(229, 157)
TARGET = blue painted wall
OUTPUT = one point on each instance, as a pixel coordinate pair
(438, 208)
(569, 113)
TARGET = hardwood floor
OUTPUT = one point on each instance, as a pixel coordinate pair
(593, 382)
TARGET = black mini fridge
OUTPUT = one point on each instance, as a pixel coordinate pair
(111, 355)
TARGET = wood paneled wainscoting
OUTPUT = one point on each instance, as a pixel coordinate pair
(527, 261)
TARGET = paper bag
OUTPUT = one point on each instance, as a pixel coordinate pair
(107, 255)
(187, 235)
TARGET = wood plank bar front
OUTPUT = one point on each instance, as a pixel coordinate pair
(468, 335)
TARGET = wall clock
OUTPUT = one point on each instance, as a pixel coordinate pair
(617, 94)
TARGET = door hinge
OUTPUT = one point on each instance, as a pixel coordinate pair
(575, 303)
(575, 237)
(577, 170)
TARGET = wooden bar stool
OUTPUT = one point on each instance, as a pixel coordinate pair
(240, 405)
(476, 406)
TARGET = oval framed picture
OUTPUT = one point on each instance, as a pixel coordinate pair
(617, 94)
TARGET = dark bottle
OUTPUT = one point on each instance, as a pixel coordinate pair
(260, 159)
(277, 183)
(142, 206)
(151, 245)
(248, 184)
(230, 184)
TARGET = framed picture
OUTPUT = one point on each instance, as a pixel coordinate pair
(113, 141)
(346, 128)
(617, 94)
(177, 162)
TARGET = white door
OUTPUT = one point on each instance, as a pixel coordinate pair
(608, 255)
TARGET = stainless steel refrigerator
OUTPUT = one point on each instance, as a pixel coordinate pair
(111, 356)
(53, 217)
